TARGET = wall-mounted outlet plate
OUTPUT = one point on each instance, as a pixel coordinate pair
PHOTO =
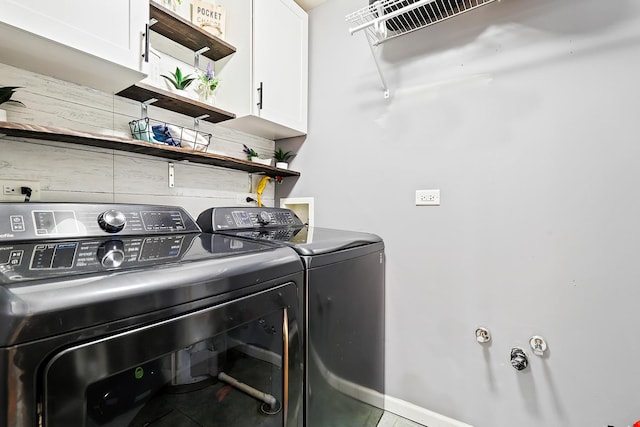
(427, 197)
(11, 190)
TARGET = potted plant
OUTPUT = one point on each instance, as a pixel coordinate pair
(179, 82)
(6, 92)
(207, 84)
(282, 158)
(253, 156)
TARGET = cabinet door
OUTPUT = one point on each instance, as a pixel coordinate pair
(108, 29)
(93, 43)
(280, 43)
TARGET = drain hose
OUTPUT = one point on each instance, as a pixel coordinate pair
(265, 397)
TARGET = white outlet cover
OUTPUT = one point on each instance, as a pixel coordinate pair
(427, 197)
(10, 190)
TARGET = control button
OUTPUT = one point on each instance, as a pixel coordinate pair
(111, 254)
(15, 257)
(264, 218)
(112, 221)
(17, 223)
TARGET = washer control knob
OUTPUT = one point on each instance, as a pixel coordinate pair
(264, 218)
(112, 221)
(111, 254)
(519, 359)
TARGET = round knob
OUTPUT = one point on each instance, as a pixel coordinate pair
(112, 221)
(111, 254)
(264, 218)
(519, 359)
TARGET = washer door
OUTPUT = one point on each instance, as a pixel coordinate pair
(233, 364)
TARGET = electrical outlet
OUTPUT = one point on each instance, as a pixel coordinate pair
(12, 190)
(427, 197)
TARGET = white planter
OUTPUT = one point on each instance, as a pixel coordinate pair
(282, 165)
(187, 93)
(261, 161)
(3, 116)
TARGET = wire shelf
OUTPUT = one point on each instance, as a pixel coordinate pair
(383, 20)
(160, 132)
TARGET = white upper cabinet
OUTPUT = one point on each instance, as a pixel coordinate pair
(94, 43)
(266, 81)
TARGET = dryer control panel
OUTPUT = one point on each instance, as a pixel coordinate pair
(38, 221)
(241, 218)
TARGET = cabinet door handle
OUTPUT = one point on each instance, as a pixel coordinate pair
(146, 43)
(259, 104)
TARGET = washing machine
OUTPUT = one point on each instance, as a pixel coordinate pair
(343, 300)
(128, 315)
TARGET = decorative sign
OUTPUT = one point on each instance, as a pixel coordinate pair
(208, 16)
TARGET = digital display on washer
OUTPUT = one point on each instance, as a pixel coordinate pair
(161, 247)
(53, 256)
(162, 220)
(242, 218)
(48, 223)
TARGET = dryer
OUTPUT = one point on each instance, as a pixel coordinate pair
(343, 300)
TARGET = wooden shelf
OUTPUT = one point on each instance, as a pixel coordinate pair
(183, 32)
(23, 130)
(170, 101)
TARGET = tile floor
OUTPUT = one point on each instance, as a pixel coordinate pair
(391, 420)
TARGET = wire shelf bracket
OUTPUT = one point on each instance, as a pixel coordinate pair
(384, 20)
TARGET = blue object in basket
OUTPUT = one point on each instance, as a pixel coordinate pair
(161, 133)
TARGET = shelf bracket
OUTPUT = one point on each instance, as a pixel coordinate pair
(382, 79)
(153, 21)
(172, 175)
(196, 121)
(196, 56)
(144, 105)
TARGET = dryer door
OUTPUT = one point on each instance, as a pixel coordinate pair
(233, 364)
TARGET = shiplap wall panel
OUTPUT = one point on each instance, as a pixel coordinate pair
(57, 167)
(77, 173)
(133, 173)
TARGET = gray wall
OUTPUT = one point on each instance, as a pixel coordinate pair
(525, 115)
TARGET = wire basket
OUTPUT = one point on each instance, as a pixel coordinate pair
(164, 133)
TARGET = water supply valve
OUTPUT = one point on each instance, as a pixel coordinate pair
(483, 335)
(519, 359)
(538, 344)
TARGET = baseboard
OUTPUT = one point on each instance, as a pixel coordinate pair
(418, 414)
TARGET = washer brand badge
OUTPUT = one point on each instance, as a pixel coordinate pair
(6, 235)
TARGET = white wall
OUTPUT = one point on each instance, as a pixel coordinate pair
(525, 115)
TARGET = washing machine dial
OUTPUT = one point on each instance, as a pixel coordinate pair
(112, 221)
(111, 254)
(264, 218)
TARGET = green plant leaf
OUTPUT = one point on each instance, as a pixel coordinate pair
(283, 156)
(178, 80)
